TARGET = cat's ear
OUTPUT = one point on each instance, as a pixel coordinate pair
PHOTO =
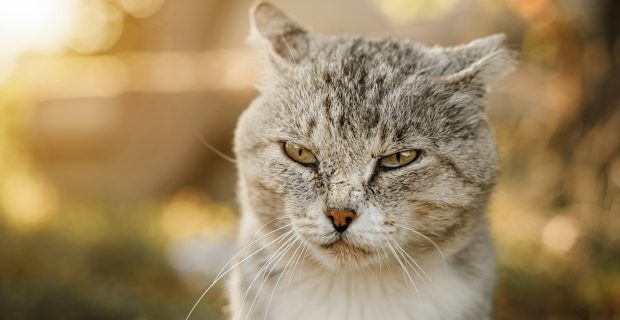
(286, 41)
(482, 61)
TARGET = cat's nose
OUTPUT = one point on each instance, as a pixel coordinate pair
(341, 218)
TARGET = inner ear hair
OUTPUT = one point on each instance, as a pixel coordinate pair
(492, 64)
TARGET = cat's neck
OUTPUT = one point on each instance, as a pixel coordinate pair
(386, 292)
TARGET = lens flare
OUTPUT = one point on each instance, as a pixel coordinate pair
(560, 234)
(141, 8)
(41, 25)
(98, 26)
(405, 11)
(32, 25)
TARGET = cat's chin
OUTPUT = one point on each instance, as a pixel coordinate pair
(342, 254)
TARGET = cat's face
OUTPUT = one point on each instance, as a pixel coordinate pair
(391, 133)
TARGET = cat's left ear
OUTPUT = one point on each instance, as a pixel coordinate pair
(286, 41)
(481, 62)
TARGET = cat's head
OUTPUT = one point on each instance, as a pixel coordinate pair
(366, 146)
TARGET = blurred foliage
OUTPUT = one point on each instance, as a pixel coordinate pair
(82, 258)
(120, 272)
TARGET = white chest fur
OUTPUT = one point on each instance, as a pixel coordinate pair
(321, 294)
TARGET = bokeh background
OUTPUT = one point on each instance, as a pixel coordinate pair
(112, 208)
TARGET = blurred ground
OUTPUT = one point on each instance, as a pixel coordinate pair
(111, 207)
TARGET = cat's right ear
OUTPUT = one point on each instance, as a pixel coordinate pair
(286, 41)
(482, 61)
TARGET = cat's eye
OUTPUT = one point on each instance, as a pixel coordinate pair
(399, 159)
(299, 153)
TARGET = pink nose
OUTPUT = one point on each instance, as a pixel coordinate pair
(341, 218)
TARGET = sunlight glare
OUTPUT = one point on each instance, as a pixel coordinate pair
(32, 25)
(40, 25)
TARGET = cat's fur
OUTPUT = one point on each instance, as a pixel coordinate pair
(352, 100)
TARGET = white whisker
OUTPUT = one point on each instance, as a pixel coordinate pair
(301, 253)
(215, 150)
(408, 259)
(221, 275)
(280, 277)
(267, 223)
(381, 257)
(250, 244)
(443, 258)
(273, 256)
(403, 268)
(266, 274)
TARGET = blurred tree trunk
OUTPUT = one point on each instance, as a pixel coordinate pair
(590, 140)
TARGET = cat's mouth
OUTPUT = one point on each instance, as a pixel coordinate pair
(341, 246)
(340, 252)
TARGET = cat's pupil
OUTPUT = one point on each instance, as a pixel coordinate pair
(398, 157)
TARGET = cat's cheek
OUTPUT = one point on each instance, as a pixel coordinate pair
(299, 209)
(389, 212)
(309, 219)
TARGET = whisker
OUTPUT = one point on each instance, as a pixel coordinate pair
(381, 257)
(419, 266)
(443, 258)
(279, 278)
(273, 256)
(301, 253)
(415, 265)
(267, 223)
(228, 271)
(262, 271)
(266, 274)
(250, 244)
(212, 148)
(403, 268)
(303, 260)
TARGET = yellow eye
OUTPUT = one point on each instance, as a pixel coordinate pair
(299, 153)
(399, 159)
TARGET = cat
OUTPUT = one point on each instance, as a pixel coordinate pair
(365, 170)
